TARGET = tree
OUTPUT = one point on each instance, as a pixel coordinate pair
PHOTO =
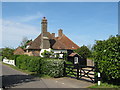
(7, 52)
(24, 42)
(83, 51)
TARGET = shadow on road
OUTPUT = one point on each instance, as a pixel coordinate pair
(12, 80)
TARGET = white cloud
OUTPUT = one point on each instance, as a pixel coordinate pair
(26, 18)
(13, 32)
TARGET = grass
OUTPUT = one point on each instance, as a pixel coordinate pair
(105, 85)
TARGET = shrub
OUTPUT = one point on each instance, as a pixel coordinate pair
(107, 55)
(47, 54)
(43, 66)
(53, 68)
(30, 63)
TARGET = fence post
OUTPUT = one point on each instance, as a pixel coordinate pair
(96, 70)
(64, 70)
(77, 71)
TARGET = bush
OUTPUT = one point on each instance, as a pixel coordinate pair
(107, 55)
(43, 66)
(53, 68)
(30, 63)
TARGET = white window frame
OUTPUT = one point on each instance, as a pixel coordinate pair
(75, 60)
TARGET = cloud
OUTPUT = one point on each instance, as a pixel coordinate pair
(13, 32)
(26, 18)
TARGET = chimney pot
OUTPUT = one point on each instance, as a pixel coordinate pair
(53, 35)
(60, 33)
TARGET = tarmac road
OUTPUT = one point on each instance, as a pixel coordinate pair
(15, 79)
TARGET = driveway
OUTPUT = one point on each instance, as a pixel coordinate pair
(15, 79)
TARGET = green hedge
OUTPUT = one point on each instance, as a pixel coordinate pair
(107, 55)
(29, 63)
(52, 67)
(43, 66)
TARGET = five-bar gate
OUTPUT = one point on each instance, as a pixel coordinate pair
(80, 72)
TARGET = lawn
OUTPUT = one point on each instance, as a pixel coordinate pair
(105, 85)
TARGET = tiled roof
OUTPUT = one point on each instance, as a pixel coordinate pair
(36, 43)
(73, 54)
(19, 51)
(62, 42)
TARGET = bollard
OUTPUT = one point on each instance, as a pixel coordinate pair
(98, 78)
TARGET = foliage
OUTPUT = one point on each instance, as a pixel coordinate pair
(43, 66)
(47, 54)
(83, 51)
(65, 56)
(53, 68)
(107, 55)
(29, 63)
(8, 53)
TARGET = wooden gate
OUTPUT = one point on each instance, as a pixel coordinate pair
(81, 72)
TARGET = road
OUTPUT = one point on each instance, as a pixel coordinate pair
(15, 79)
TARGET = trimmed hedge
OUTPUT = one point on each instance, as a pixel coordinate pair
(52, 67)
(29, 63)
(107, 55)
(43, 66)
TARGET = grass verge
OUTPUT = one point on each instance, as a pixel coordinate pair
(105, 85)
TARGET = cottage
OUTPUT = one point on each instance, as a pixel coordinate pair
(47, 41)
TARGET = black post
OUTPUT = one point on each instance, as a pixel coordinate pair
(77, 71)
(96, 71)
(64, 70)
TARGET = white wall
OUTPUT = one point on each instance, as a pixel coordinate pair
(59, 51)
(7, 61)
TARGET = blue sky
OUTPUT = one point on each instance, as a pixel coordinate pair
(82, 22)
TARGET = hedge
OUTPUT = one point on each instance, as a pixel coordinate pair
(29, 63)
(52, 67)
(107, 55)
(43, 66)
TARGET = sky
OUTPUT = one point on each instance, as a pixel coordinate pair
(82, 22)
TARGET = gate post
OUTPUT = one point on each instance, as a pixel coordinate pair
(96, 70)
(64, 70)
(77, 71)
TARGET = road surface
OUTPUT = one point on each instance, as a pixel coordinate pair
(15, 79)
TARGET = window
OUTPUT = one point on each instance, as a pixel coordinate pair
(60, 55)
(75, 60)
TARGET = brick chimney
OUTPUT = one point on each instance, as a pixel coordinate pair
(45, 44)
(44, 25)
(53, 35)
(60, 33)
